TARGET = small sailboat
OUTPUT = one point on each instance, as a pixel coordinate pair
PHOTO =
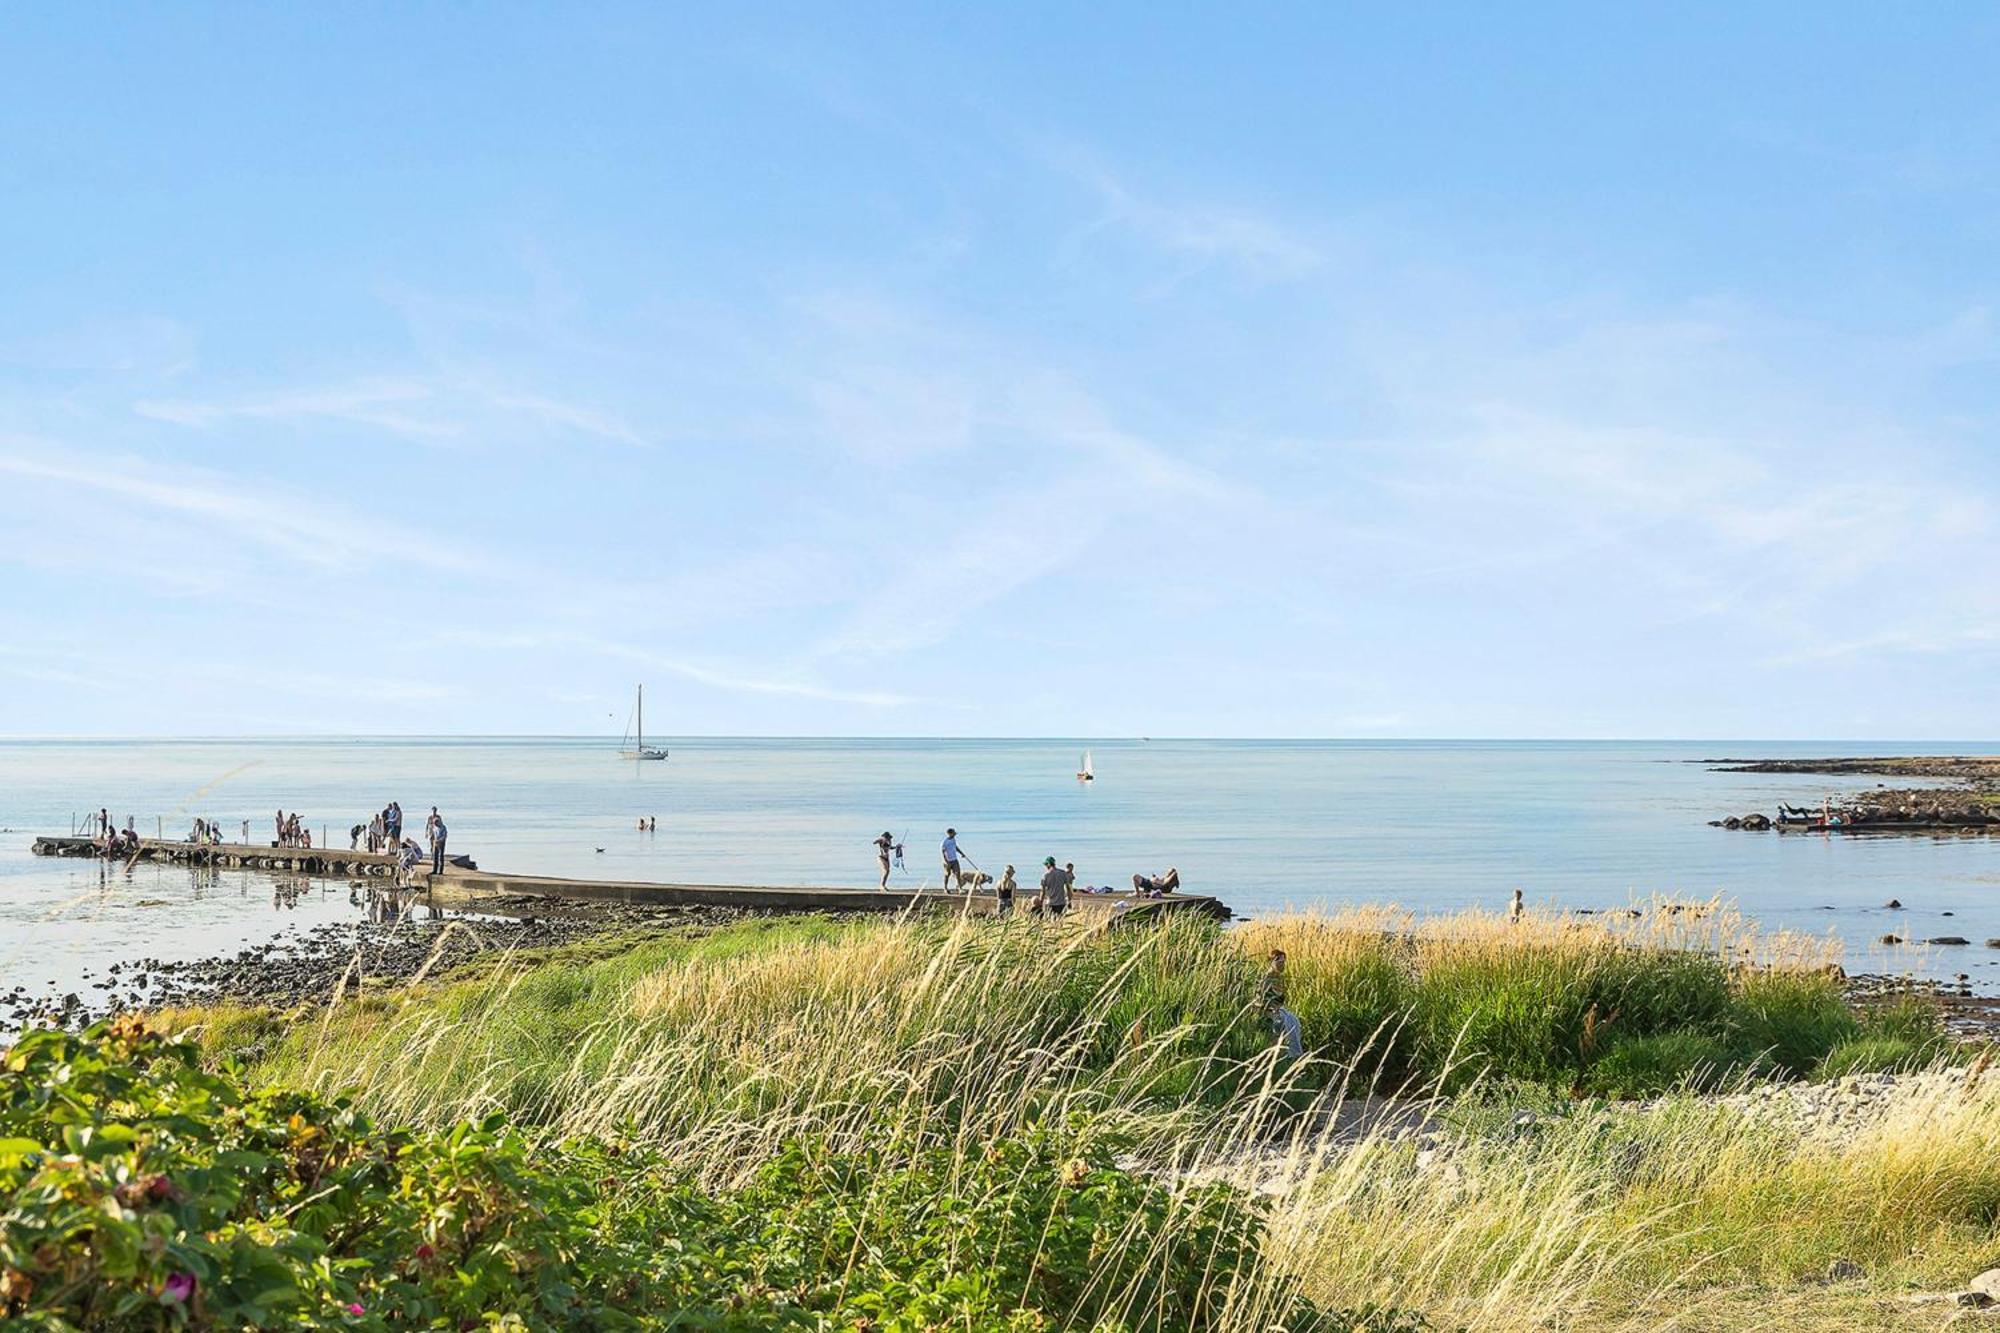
(1086, 773)
(638, 749)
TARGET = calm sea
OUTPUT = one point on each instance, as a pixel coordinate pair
(1262, 824)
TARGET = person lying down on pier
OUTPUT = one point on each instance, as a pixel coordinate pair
(1154, 886)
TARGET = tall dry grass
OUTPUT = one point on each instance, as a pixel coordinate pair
(955, 1033)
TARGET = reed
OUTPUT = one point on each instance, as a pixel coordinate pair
(933, 1040)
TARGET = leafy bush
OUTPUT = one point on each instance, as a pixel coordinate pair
(1872, 1055)
(144, 1192)
(1793, 1018)
(1663, 1062)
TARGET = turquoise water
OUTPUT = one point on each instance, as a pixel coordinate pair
(1262, 824)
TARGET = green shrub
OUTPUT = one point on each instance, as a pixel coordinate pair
(1873, 1055)
(1662, 1062)
(1792, 1018)
(143, 1192)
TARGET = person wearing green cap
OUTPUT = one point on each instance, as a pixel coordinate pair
(1055, 887)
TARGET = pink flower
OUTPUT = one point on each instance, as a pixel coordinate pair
(179, 1289)
(354, 1308)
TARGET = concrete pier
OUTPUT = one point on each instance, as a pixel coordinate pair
(465, 883)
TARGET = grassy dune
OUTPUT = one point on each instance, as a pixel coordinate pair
(932, 1041)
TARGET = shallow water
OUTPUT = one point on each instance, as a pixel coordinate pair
(1262, 824)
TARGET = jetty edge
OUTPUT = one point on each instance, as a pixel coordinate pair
(463, 882)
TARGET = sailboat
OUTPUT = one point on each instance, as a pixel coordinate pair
(639, 749)
(1085, 773)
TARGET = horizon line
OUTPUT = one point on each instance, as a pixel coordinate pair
(598, 737)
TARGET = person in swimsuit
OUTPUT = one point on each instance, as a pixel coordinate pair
(883, 846)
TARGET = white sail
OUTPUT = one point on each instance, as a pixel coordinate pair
(1086, 772)
(639, 749)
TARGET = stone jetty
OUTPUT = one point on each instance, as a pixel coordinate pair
(464, 883)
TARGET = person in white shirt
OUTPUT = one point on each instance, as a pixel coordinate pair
(952, 878)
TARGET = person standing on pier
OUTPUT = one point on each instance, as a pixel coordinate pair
(437, 841)
(883, 845)
(952, 877)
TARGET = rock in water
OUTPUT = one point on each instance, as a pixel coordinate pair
(1947, 939)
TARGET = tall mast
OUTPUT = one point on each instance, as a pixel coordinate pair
(642, 718)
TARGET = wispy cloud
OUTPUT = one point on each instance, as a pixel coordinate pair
(423, 408)
(393, 405)
(146, 345)
(729, 679)
(1199, 233)
(280, 520)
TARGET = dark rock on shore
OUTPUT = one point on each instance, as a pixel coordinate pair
(1973, 770)
(404, 943)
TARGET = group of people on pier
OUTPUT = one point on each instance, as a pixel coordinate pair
(1054, 890)
(384, 833)
(292, 833)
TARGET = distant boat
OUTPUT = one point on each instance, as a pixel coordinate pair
(1085, 773)
(638, 749)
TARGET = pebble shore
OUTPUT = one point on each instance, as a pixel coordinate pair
(398, 943)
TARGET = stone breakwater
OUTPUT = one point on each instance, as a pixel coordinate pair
(329, 961)
(1972, 806)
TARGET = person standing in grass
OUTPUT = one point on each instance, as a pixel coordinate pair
(1284, 1023)
(1054, 898)
(1004, 892)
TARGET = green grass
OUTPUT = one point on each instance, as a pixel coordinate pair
(935, 1039)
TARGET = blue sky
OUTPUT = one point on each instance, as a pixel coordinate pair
(1026, 370)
